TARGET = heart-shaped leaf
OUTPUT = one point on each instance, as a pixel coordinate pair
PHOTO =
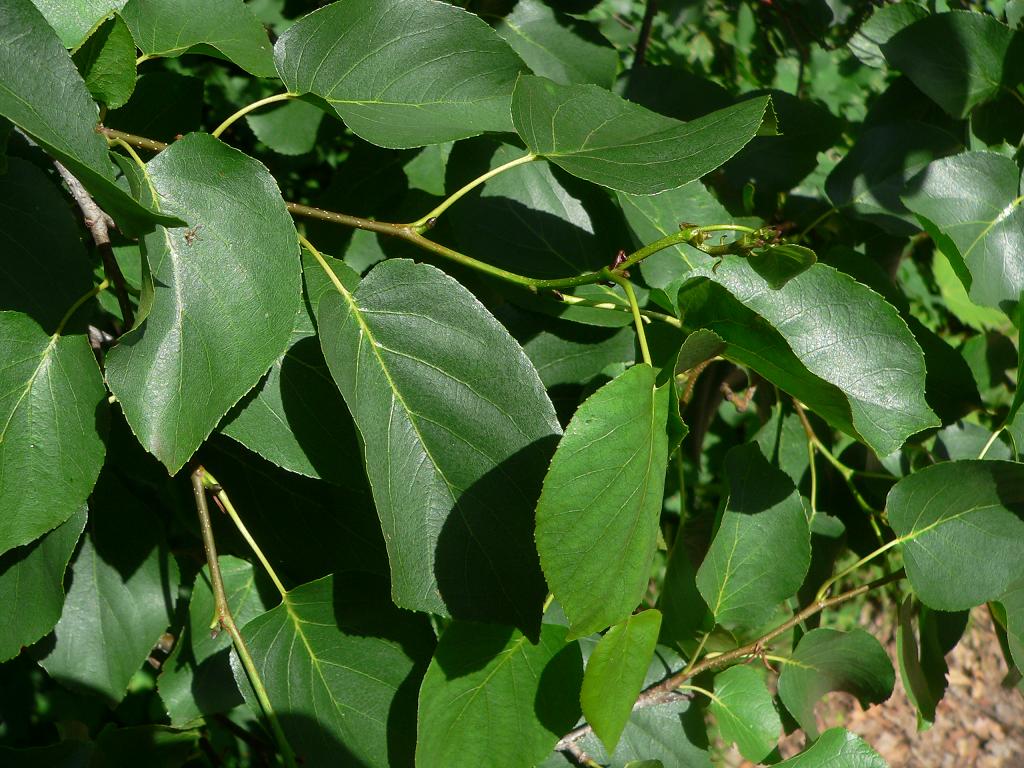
(837, 748)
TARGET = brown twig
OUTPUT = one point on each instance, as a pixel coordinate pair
(99, 223)
(665, 691)
(130, 138)
(645, 33)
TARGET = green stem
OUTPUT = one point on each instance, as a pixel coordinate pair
(96, 290)
(847, 571)
(638, 319)
(990, 442)
(210, 482)
(702, 691)
(582, 302)
(425, 222)
(144, 57)
(227, 621)
(676, 238)
(249, 108)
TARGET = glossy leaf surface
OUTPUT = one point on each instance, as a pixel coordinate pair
(594, 134)
(402, 73)
(837, 748)
(961, 530)
(457, 429)
(227, 292)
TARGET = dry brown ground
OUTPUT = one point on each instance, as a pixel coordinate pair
(979, 724)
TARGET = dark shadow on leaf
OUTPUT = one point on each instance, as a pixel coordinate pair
(485, 562)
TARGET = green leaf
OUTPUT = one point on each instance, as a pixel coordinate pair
(971, 205)
(46, 269)
(959, 59)
(341, 666)
(921, 657)
(960, 529)
(163, 106)
(491, 697)
(63, 754)
(534, 219)
(289, 129)
(885, 21)
(673, 733)
(32, 586)
(119, 603)
(1013, 603)
(684, 613)
(699, 347)
(954, 296)
(54, 414)
(63, 126)
(457, 429)
(195, 680)
(402, 73)
(837, 748)
(615, 674)
(74, 20)
(559, 47)
(762, 549)
(227, 292)
(157, 746)
(295, 417)
(594, 134)
(778, 264)
(306, 528)
(107, 63)
(597, 518)
(576, 354)
(869, 180)
(829, 660)
(223, 28)
(745, 712)
(824, 338)
(652, 218)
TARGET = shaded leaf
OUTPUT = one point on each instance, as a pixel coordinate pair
(295, 417)
(559, 47)
(745, 712)
(457, 429)
(884, 22)
(341, 666)
(46, 268)
(54, 414)
(684, 612)
(123, 583)
(491, 697)
(615, 674)
(227, 289)
(289, 129)
(837, 748)
(698, 347)
(960, 529)
(195, 680)
(960, 59)
(829, 660)
(778, 264)
(824, 338)
(596, 135)
(32, 585)
(597, 518)
(1012, 601)
(107, 63)
(157, 745)
(63, 126)
(762, 549)
(402, 73)
(921, 655)
(226, 28)
(971, 205)
(577, 354)
(163, 106)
